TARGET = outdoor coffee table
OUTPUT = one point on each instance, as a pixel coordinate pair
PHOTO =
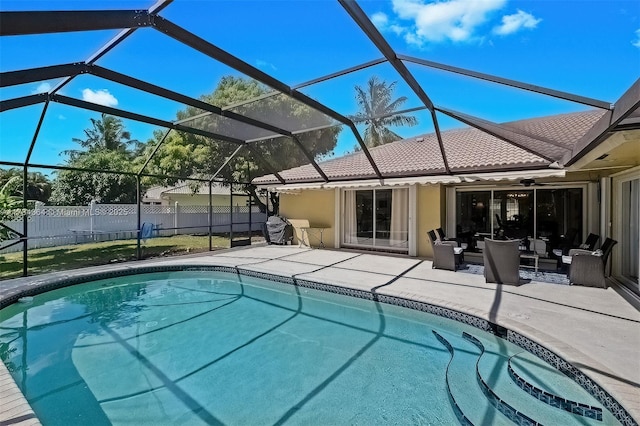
(535, 258)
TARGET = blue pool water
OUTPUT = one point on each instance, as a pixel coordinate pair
(217, 348)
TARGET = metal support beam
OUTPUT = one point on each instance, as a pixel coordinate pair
(13, 78)
(39, 22)
(110, 110)
(24, 101)
(358, 15)
(138, 219)
(624, 107)
(478, 124)
(169, 94)
(312, 129)
(512, 83)
(436, 127)
(229, 158)
(185, 37)
(25, 185)
(157, 147)
(142, 118)
(266, 163)
(310, 82)
(88, 170)
(340, 73)
(35, 138)
(307, 154)
(108, 46)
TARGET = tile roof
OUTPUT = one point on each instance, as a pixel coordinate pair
(156, 192)
(536, 143)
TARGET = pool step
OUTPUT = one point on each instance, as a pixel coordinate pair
(511, 399)
(494, 398)
(540, 381)
(466, 397)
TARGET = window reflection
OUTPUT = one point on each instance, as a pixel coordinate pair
(377, 218)
(543, 218)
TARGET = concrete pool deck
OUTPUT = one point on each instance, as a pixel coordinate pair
(596, 330)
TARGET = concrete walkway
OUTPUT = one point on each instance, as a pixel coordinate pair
(596, 330)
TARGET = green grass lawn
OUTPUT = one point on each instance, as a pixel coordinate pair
(91, 254)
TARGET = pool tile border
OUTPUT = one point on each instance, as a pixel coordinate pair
(556, 401)
(540, 351)
(494, 399)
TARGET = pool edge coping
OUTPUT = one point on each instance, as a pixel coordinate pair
(460, 313)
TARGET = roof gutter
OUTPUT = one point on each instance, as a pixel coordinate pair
(623, 108)
(515, 175)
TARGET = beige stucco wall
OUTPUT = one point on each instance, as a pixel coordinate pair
(316, 206)
(431, 209)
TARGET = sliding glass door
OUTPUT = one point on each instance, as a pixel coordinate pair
(377, 218)
(630, 235)
(543, 217)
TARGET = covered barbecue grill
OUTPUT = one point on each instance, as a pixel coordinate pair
(278, 230)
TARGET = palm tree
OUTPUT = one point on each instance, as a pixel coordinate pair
(8, 200)
(38, 185)
(106, 134)
(377, 112)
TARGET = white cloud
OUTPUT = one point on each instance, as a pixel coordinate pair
(43, 87)
(515, 22)
(101, 97)
(636, 42)
(380, 20)
(264, 64)
(450, 20)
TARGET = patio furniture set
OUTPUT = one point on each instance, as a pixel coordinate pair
(502, 259)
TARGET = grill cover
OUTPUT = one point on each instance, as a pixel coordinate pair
(278, 230)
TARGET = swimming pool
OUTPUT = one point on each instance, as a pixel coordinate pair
(220, 348)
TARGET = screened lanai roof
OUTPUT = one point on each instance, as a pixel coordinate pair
(147, 53)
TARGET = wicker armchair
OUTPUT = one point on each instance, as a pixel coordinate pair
(444, 253)
(501, 261)
(589, 270)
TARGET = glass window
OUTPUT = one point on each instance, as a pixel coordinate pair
(377, 218)
(559, 216)
(629, 240)
(472, 217)
(509, 214)
(513, 214)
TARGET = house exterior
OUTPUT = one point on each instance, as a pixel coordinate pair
(545, 181)
(185, 194)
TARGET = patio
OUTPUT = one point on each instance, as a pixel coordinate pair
(596, 330)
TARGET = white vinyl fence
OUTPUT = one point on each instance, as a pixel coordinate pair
(50, 226)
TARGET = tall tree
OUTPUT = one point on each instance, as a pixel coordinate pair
(38, 184)
(377, 111)
(9, 205)
(107, 146)
(75, 188)
(185, 154)
(8, 198)
(105, 134)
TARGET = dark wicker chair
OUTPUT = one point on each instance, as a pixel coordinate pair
(589, 270)
(438, 235)
(443, 237)
(501, 261)
(444, 256)
(590, 242)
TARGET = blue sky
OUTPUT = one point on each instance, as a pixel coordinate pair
(590, 48)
